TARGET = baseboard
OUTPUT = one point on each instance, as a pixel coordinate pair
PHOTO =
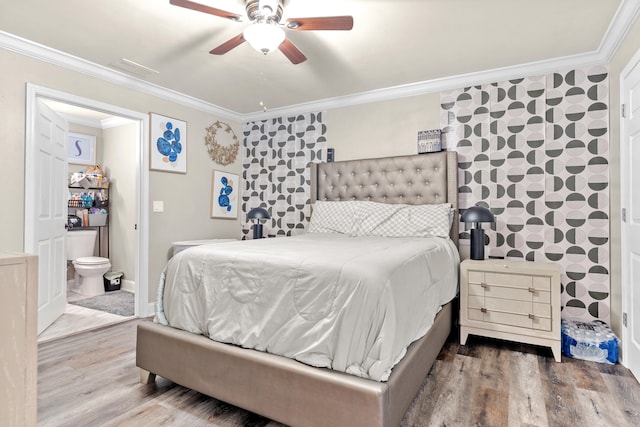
(148, 309)
(128, 285)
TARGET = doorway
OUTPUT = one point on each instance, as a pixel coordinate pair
(35, 93)
(630, 206)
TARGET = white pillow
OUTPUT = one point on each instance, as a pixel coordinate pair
(333, 217)
(380, 219)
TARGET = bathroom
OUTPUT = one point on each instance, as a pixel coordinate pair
(115, 152)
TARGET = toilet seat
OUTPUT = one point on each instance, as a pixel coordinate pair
(91, 260)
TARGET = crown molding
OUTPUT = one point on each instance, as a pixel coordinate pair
(620, 25)
(624, 18)
(431, 86)
(46, 54)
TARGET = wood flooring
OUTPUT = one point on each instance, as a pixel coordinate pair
(76, 319)
(90, 379)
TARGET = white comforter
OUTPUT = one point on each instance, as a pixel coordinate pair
(352, 304)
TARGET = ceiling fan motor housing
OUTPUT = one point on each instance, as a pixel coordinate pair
(264, 10)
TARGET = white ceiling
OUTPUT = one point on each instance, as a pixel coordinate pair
(394, 44)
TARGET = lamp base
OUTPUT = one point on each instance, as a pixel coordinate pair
(477, 243)
(257, 230)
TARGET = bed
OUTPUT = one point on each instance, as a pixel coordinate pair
(282, 388)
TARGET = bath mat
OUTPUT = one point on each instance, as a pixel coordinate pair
(116, 302)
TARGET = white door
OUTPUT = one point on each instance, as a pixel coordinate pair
(630, 198)
(49, 211)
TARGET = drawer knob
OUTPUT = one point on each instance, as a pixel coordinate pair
(532, 316)
(532, 290)
(484, 310)
(484, 285)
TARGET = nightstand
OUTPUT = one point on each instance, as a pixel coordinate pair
(511, 300)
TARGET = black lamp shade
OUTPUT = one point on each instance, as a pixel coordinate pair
(475, 215)
(258, 214)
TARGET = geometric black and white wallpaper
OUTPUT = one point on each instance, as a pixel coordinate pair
(535, 151)
(274, 169)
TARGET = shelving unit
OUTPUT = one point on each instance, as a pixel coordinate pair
(99, 222)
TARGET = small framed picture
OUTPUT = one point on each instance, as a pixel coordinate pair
(81, 149)
(429, 141)
(168, 144)
(224, 195)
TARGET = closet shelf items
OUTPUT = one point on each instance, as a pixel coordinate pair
(88, 180)
(88, 198)
(87, 207)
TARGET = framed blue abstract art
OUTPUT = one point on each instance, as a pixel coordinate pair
(168, 144)
(224, 195)
(81, 149)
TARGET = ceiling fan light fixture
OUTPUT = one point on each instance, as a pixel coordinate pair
(264, 36)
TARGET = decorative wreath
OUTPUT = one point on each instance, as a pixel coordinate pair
(223, 155)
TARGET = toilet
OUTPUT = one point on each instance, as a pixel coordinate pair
(89, 269)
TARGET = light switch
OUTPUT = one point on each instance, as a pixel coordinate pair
(158, 206)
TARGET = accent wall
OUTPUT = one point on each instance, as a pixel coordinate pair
(536, 152)
(275, 170)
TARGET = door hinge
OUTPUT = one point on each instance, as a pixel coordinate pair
(623, 111)
(624, 215)
(135, 227)
(624, 319)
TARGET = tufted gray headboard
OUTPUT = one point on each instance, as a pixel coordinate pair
(413, 180)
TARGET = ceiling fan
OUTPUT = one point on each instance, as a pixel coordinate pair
(265, 32)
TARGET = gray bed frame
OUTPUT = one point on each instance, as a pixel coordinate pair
(294, 393)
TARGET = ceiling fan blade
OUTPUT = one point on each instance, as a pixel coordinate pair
(206, 9)
(228, 45)
(292, 53)
(321, 23)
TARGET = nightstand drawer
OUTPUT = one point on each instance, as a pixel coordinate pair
(518, 281)
(513, 280)
(511, 319)
(497, 317)
(510, 312)
(529, 294)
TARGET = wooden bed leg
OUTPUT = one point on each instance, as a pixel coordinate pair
(147, 377)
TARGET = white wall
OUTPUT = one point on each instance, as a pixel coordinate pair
(119, 163)
(380, 129)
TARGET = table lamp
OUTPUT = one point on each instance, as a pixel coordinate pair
(256, 215)
(475, 215)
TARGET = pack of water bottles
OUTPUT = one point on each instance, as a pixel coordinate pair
(593, 341)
